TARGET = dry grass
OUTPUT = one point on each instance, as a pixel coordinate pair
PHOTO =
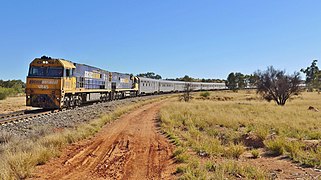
(11, 104)
(214, 127)
(20, 156)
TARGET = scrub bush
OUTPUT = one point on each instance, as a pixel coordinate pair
(205, 94)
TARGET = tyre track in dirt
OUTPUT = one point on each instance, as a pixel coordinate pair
(129, 148)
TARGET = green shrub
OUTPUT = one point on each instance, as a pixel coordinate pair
(235, 151)
(5, 92)
(255, 153)
(276, 146)
(180, 169)
(205, 94)
(3, 96)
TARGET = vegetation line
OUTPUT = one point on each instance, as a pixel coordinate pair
(11, 88)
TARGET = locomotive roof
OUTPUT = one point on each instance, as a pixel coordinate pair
(67, 64)
(62, 62)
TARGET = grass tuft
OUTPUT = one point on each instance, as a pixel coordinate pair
(235, 151)
(179, 151)
(182, 158)
(275, 146)
(255, 153)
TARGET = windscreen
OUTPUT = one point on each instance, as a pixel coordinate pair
(46, 71)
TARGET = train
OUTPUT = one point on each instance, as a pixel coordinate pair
(54, 83)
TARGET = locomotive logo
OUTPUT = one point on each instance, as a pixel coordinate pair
(43, 82)
(122, 80)
(92, 75)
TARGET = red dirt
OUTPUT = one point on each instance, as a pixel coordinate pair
(281, 167)
(129, 148)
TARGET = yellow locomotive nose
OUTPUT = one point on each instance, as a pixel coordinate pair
(47, 81)
(43, 92)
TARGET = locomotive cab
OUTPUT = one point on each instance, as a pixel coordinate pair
(47, 81)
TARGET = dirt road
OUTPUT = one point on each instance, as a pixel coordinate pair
(129, 148)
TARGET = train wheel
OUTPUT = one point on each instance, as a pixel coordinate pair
(66, 102)
(77, 102)
(71, 103)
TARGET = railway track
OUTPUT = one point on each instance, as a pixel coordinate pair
(26, 115)
(20, 116)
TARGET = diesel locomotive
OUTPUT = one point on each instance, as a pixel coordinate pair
(59, 83)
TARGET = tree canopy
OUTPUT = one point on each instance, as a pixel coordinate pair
(276, 85)
(151, 75)
(15, 84)
(231, 82)
(313, 76)
(11, 88)
(187, 78)
(238, 80)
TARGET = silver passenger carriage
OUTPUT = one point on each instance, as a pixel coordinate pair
(155, 86)
(148, 86)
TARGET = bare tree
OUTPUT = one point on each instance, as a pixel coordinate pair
(275, 85)
(187, 96)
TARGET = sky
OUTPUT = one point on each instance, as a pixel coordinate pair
(173, 38)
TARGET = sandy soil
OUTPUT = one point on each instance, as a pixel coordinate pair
(281, 167)
(129, 148)
(12, 104)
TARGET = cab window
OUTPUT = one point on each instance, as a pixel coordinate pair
(68, 73)
(46, 71)
(55, 72)
(37, 71)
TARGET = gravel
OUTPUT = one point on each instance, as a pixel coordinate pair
(64, 119)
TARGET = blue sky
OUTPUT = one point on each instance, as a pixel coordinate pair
(205, 39)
